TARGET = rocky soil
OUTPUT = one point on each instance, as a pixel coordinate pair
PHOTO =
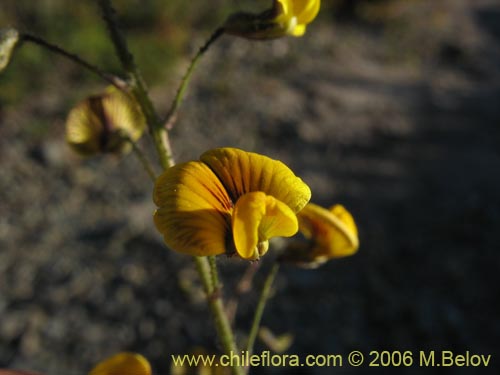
(402, 126)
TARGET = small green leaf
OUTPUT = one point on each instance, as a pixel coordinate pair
(8, 41)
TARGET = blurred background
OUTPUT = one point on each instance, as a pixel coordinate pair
(389, 107)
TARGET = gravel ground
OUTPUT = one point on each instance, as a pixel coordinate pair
(400, 127)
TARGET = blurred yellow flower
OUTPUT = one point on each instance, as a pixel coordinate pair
(105, 123)
(123, 364)
(229, 201)
(331, 233)
(286, 17)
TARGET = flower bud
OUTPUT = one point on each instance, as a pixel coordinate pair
(105, 123)
(329, 234)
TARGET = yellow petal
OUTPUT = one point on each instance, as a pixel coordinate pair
(123, 112)
(279, 220)
(84, 127)
(123, 364)
(305, 10)
(258, 217)
(298, 30)
(333, 232)
(194, 210)
(243, 172)
(284, 7)
(345, 217)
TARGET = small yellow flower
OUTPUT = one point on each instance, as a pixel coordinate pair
(286, 17)
(105, 123)
(330, 233)
(123, 364)
(230, 200)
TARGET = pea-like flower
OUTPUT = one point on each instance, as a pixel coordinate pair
(286, 17)
(105, 123)
(229, 201)
(330, 233)
(123, 364)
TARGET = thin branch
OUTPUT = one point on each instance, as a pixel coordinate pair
(179, 96)
(121, 48)
(264, 296)
(115, 81)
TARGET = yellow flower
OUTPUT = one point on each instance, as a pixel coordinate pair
(104, 123)
(230, 200)
(286, 17)
(123, 364)
(330, 233)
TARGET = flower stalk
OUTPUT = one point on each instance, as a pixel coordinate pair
(213, 272)
(214, 299)
(179, 96)
(259, 311)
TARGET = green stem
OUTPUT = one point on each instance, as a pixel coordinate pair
(179, 96)
(115, 81)
(213, 271)
(139, 90)
(264, 296)
(222, 325)
(204, 270)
